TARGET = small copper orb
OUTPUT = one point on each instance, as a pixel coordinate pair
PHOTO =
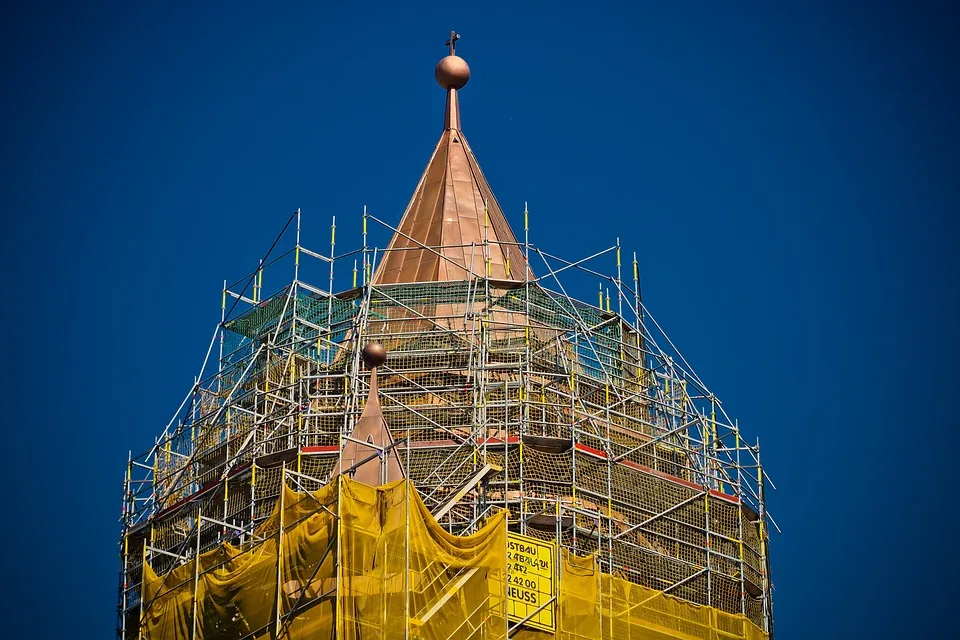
(452, 72)
(374, 354)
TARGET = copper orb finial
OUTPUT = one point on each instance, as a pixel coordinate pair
(452, 72)
(374, 354)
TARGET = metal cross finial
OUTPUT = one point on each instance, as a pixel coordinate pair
(452, 42)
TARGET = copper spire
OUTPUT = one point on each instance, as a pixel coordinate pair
(369, 453)
(453, 226)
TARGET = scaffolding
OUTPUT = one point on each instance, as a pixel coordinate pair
(582, 422)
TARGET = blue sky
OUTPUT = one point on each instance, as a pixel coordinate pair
(787, 173)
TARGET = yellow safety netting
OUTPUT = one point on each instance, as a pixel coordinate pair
(595, 605)
(400, 574)
(232, 592)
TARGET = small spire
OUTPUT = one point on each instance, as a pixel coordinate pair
(369, 454)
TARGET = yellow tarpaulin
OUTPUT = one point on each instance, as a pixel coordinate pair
(399, 574)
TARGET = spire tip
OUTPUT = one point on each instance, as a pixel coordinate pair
(452, 71)
(374, 354)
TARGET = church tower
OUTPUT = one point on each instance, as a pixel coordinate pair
(448, 446)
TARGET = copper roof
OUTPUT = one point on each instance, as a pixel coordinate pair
(453, 228)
